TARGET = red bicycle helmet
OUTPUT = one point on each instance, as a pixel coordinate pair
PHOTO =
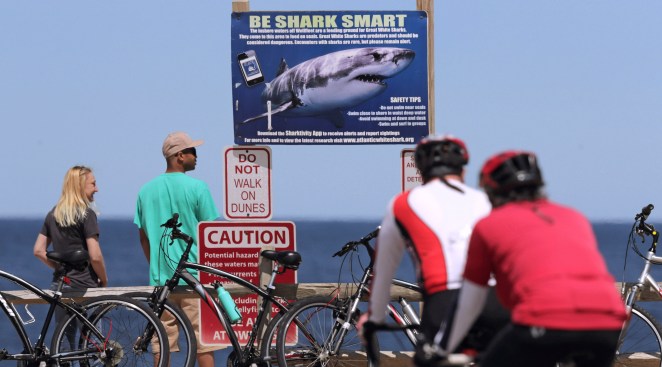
(511, 170)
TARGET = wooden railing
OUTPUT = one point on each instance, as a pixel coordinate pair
(288, 291)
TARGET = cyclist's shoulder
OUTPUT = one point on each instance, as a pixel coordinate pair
(459, 193)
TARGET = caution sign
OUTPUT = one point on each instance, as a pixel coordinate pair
(247, 183)
(235, 247)
(411, 176)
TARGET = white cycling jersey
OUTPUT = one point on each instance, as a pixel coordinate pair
(434, 222)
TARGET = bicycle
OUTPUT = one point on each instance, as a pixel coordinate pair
(242, 355)
(103, 331)
(326, 325)
(641, 336)
(329, 334)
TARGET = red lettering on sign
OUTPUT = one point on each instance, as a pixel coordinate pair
(247, 157)
(247, 169)
(247, 236)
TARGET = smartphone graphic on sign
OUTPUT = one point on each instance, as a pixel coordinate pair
(250, 68)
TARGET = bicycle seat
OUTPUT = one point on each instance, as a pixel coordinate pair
(289, 259)
(72, 260)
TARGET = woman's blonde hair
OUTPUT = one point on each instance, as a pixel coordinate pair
(73, 203)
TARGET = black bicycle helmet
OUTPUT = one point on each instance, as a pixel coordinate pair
(437, 156)
(511, 170)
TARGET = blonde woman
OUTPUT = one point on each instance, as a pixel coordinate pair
(72, 225)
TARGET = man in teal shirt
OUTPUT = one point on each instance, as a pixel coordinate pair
(169, 193)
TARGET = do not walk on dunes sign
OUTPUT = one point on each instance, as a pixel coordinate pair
(247, 183)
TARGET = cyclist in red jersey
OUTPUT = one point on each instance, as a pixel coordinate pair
(548, 272)
(434, 222)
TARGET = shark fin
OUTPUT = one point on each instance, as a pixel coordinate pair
(282, 67)
(337, 119)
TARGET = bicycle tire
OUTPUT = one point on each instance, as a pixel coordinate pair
(126, 321)
(642, 339)
(319, 317)
(268, 343)
(186, 342)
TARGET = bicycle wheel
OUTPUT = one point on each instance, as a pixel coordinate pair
(123, 323)
(182, 350)
(311, 334)
(641, 342)
(268, 342)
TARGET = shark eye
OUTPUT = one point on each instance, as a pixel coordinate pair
(377, 56)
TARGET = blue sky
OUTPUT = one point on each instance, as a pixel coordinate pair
(103, 83)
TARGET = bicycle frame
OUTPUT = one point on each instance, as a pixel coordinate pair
(37, 350)
(267, 298)
(651, 259)
(181, 273)
(407, 318)
(644, 278)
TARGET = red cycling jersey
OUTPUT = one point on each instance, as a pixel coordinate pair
(434, 221)
(548, 269)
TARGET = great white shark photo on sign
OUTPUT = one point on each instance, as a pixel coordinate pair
(327, 85)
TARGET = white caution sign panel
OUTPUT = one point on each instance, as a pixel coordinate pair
(235, 247)
(411, 176)
(247, 183)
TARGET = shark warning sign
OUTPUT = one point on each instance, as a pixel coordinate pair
(329, 77)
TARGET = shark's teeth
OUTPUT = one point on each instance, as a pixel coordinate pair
(377, 79)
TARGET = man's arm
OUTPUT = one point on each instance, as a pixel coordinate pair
(144, 242)
(470, 304)
(390, 247)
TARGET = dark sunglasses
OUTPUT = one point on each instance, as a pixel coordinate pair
(190, 151)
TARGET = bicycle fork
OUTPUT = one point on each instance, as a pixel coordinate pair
(644, 278)
(635, 290)
(344, 322)
(156, 303)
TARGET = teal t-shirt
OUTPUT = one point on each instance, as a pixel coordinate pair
(158, 200)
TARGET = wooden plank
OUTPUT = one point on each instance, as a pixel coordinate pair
(239, 6)
(289, 291)
(401, 359)
(428, 6)
(648, 293)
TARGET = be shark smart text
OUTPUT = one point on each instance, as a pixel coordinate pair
(328, 21)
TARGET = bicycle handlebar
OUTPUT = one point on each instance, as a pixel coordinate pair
(369, 329)
(365, 241)
(174, 224)
(645, 228)
(645, 212)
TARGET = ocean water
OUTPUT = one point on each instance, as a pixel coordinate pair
(316, 241)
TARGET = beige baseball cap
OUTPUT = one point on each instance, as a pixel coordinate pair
(178, 141)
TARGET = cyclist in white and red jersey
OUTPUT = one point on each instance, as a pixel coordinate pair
(548, 272)
(434, 222)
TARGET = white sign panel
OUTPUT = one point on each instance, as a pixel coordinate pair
(235, 247)
(411, 177)
(247, 183)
